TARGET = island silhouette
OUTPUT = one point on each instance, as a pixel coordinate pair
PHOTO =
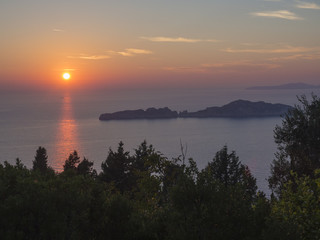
(236, 109)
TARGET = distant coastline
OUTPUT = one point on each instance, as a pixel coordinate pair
(235, 109)
(285, 86)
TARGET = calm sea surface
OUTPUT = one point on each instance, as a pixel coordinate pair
(63, 122)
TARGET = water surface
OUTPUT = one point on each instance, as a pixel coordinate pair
(63, 122)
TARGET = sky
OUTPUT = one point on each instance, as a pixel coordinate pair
(114, 44)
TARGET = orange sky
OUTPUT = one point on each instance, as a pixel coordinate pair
(136, 44)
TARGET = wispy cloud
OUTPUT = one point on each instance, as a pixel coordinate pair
(177, 40)
(93, 57)
(295, 57)
(283, 14)
(57, 30)
(308, 5)
(129, 52)
(282, 53)
(287, 49)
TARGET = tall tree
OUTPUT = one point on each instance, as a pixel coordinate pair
(298, 141)
(40, 161)
(228, 170)
(116, 168)
(72, 161)
(85, 167)
(142, 156)
(216, 203)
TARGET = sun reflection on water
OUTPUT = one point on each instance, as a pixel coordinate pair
(67, 134)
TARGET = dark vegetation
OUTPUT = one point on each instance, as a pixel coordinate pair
(144, 195)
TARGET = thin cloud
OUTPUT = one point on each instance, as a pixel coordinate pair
(94, 57)
(177, 40)
(129, 52)
(57, 30)
(297, 57)
(308, 5)
(283, 14)
(288, 49)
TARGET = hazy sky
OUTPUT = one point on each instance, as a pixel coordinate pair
(158, 43)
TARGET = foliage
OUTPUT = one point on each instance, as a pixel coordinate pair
(298, 141)
(116, 168)
(297, 213)
(85, 167)
(72, 161)
(216, 203)
(40, 162)
(142, 159)
(147, 196)
(73, 165)
(228, 170)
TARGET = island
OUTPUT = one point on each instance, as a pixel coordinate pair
(150, 113)
(235, 109)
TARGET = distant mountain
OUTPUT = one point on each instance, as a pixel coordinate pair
(236, 109)
(286, 86)
(240, 109)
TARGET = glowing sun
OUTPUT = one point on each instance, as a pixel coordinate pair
(66, 76)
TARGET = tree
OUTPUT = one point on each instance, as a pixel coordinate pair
(296, 215)
(85, 167)
(33, 207)
(228, 170)
(40, 160)
(146, 174)
(298, 141)
(72, 161)
(216, 203)
(142, 154)
(116, 168)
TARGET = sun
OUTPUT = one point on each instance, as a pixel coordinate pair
(66, 76)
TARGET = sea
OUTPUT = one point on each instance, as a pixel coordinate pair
(66, 121)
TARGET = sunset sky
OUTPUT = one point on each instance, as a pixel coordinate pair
(153, 43)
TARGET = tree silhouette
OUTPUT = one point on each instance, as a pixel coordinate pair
(142, 155)
(72, 161)
(116, 168)
(298, 141)
(228, 170)
(40, 162)
(85, 167)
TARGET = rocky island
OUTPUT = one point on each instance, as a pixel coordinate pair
(236, 109)
(150, 113)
